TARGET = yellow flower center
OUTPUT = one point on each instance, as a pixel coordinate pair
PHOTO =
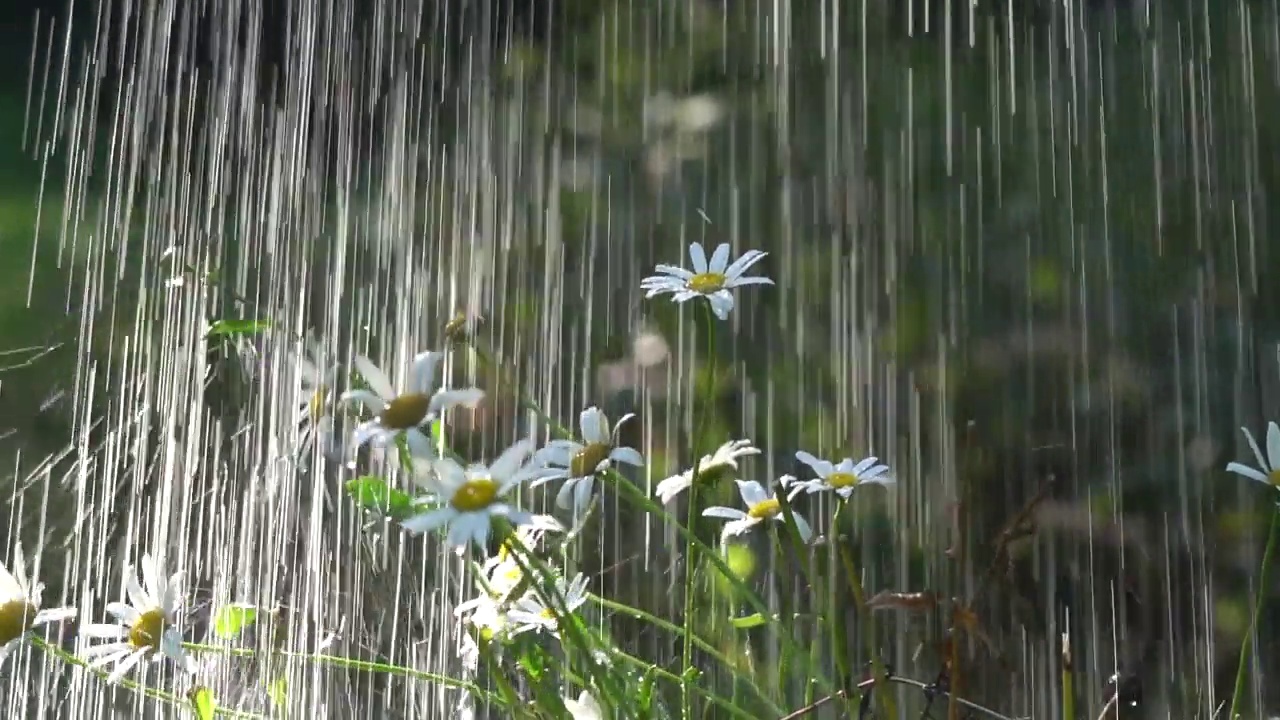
(15, 618)
(707, 282)
(765, 509)
(842, 479)
(148, 630)
(586, 460)
(406, 411)
(319, 400)
(475, 495)
(548, 613)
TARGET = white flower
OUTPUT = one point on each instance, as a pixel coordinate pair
(485, 612)
(577, 463)
(532, 613)
(146, 626)
(1269, 467)
(712, 467)
(469, 498)
(761, 506)
(404, 413)
(314, 396)
(584, 708)
(20, 605)
(844, 477)
(712, 281)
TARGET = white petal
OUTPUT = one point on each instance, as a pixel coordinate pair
(102, 631)
(376, 379)
(125, 614)
(138, 595)
(127, 663)
(752, 492)
(719, 259)
(446, 399)
(627, 455)
(822, 467)
(672, 486)
(738, 527)
(423, 371)
(564, 496)
(1273, 446)
(1248, 472)
(744, 263)
(594, 426)
(743, 281)
(699, 257)
(510, 460)
(1253, 445)
(859, 468)
(449, 474)
(721, 304)
(371, 402)
(674, 271)
(582, 494)
(54, 615)
(802, 526)
(429, 520)
(725, 513)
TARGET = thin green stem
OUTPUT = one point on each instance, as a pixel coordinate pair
(866, 625)
(687, 669)
(153, 693)
(717, 700)
(698, 641)
(342, 662)
(1260, 596)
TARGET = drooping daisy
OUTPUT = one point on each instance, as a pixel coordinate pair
(844, 477)
(713, 467)
(1268, 470)
(712, 281)
(147, 626)
(584, 708)
(577, 463)
(316, 380)
(404, 413)
(468, 498)
(761, 506)
(531, 612)
(20, 605)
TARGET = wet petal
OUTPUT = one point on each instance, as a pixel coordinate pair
(446, 399)
(510, 460)
(377, 379)
(370, 401)
(699, 257)
(744, 263)
(823, 468)
(1273, 446)
(423, 371)
(429, 520)
(726, 513)
(752, 492)
(1248, 472)
(719, 259)
(627, 455)
(594, 426)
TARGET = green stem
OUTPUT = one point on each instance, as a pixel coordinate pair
(687, 669)
(702, 644)
(342, 662)
(154, 693)
(866, 626)
(1260, 597)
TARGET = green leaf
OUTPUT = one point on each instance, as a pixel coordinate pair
(276, 690)
(227, 328)
(437, 437)
(202, 702)
(233, 618)
(748, 621)
(373, 494)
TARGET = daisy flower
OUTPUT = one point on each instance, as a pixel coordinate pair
(468, 498)
(314, 397)
(584, 708)
(1268, 470)
(712, 467)
(842, 478)
(147, 626)
(532, 613)
(20, 605)
(405, 413)
(761, 506)
(485, 612)
(577, 463)
(712, 281)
